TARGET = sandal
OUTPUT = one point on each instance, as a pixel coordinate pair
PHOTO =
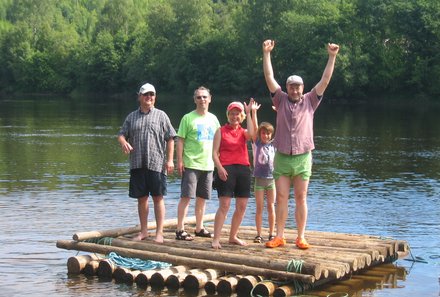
(204, 233)
(276, 242)
(258, 239)
(183, 235)
(271, 237)
(301, 243)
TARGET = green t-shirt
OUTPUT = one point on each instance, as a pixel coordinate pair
(198, 133)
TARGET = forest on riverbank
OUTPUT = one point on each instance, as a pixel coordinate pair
(388, 47)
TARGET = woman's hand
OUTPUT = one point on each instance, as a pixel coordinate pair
(222, 173)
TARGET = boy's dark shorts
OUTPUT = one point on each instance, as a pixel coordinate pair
(144, 182)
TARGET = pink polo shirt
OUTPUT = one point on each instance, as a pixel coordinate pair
(294, 127)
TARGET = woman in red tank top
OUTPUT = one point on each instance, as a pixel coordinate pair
(233, 178)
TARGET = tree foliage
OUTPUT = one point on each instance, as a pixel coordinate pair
(388, 47)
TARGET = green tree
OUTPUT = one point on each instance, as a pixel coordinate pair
(177, 27)
(417, 27)
(38, 50)
(387, 46)
(16, 53)
(103, 64)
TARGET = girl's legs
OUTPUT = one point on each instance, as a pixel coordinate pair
(270, 194)
(259, 202)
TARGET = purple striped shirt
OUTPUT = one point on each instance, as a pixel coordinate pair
(294, 124)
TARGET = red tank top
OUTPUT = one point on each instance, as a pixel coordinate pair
(233, 146)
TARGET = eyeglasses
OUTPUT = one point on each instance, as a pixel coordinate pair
(148, 94)
(201, 97)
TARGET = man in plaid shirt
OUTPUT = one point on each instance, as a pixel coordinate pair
(148, 136)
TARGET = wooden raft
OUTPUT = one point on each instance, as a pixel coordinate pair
(332, 256)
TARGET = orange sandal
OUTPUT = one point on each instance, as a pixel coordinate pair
(276, 242)
(301, 243)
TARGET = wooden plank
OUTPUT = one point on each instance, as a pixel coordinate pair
(333, 256)
(129, 230)
(178, 260)
(76, 264)
(233, 258)
(364, 243)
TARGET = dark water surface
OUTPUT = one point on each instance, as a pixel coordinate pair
(376, 171)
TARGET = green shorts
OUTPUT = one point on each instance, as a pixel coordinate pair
(293, 165)
(263, 184)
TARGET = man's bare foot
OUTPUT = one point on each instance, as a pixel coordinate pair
(140, 237)
(237, 241)
(216, 245)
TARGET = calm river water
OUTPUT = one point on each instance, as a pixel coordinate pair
(376, 171)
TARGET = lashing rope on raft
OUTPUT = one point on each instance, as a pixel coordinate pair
(296, 266)
(126, 262)
(292, 266)
(416, 258)
(136, 263)
(100, 240)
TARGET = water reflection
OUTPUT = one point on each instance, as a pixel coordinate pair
(385, 276)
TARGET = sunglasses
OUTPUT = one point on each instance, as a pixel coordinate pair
(201, 97)
(148, 94)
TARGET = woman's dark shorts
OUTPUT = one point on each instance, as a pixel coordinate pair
(144, 182)
(238, 183)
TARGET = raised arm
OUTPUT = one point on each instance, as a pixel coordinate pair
(254, 110)
(332, 50)
(271, 83)
(250, 125)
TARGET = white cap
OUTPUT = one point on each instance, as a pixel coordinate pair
(147, 88)
(294, 79)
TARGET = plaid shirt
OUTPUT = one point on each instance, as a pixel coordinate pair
(148, 134)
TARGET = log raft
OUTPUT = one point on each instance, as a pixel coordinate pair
(280, 271)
